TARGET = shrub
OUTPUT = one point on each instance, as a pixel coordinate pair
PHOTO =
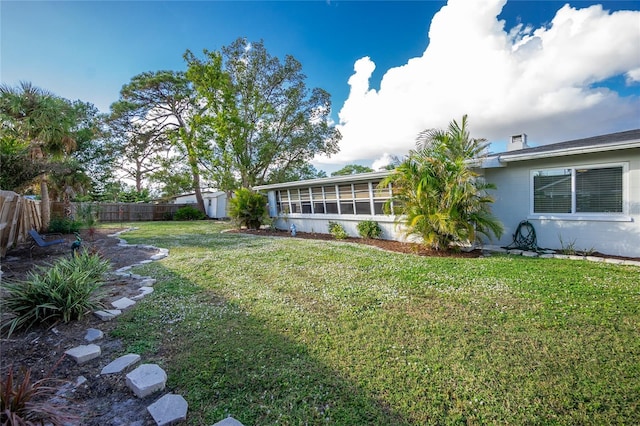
(369, 229)
(64, 225)
(87, 214)
(21, 402)
(248, 208)
(63, 291)
(188, 213)
(439, 197)
(337, 231)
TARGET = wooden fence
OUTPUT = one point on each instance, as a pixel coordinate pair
(17, 216)
(124, 212)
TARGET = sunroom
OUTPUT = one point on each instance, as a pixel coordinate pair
(310, 205)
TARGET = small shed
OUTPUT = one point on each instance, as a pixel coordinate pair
(215, 202)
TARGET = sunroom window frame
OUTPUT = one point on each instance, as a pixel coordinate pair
(296, 196)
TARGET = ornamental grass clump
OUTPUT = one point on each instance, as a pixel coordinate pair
(27, 402)
(64, 291)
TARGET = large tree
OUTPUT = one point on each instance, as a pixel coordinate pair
(142, 150)
(266, 122)
(439, 197)
(352, 169)
(46, 126)
(164, 103)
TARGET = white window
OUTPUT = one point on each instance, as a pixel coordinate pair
(579, 190)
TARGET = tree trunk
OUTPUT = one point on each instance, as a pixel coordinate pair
(196, 184)
(138, 176)
(45, 203)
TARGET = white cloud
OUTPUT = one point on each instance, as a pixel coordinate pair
(541, 81)
(383, 161)
(633, 76)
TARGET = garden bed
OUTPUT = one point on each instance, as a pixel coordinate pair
(41, 349)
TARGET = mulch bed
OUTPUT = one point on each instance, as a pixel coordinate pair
(102, 400)
(389, 245)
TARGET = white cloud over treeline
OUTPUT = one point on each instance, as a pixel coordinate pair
(540, 81)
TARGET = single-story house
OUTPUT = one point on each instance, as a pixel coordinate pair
(585, 192)
(582, 193)
(215, 202)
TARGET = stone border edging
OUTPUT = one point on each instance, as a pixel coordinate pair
(169, 408)
(550, 254)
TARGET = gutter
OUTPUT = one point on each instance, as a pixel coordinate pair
(359, 177)
(507, 158)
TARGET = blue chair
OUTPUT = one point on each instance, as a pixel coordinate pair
(40, 240)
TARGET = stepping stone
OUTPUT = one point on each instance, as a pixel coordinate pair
(84, 353)
(120, 364)
(143, 292)
(146, 379)
(123, 303)
(70, 387)
(168, 409)
(148, 282)
(93, 334)
(229, 421)
(107, 315)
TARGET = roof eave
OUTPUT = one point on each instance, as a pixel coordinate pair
(323, 181)
(507, 158)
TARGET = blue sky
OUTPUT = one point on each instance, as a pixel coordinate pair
(88, 49)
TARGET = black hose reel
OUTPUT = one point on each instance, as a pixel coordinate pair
(524, 238)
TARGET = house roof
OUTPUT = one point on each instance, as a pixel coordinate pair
(610, 142)
(359, 177)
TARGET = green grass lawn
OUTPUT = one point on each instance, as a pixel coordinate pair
(285, 331)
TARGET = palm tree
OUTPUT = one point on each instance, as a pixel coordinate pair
(44, 122)
(440, 198)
